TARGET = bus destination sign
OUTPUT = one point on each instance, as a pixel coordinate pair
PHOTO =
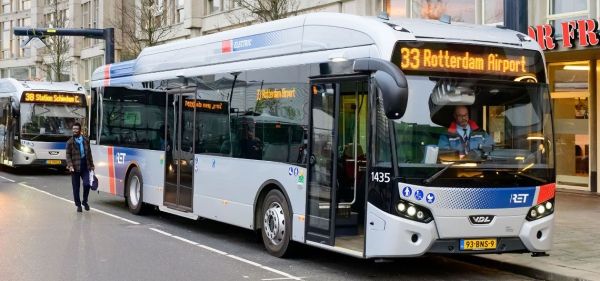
(57, 98)
(206, 105)
(465, 59)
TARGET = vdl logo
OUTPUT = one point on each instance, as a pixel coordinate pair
(481, 219)
(518, 198)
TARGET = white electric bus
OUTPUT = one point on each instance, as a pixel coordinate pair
(326, 129)
(36, 119)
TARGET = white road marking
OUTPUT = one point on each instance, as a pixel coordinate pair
(245, 260)
(115, 216)
(280, 278)
(1, 177)
(185, 240)
(287, 275)
(161, 232)
(212, 249)
(71, 201)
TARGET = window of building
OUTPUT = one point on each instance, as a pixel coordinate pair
(25, 4)
(89, 65)
(459, 10)
(567, 6)
(469, 11)
(6, 7)
(396, 8)
(85, 17)
(180, 7)
(20, 73)
(6, 40)
(214, 6)
(493, 12)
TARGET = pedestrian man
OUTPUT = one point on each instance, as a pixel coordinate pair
(79, 163)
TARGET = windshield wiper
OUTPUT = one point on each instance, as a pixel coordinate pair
(440, 172)
(74, 111)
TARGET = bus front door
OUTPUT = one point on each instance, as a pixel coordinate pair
(337, 163)
(179, 161)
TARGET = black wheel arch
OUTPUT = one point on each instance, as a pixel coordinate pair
(262, 193)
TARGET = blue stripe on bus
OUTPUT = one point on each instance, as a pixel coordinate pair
(474, 198)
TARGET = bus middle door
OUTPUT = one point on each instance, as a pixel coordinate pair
(179, 168)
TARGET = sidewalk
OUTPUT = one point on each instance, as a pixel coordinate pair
(576, 251)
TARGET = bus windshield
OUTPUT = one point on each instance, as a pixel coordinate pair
(472, 132)
(49, 122)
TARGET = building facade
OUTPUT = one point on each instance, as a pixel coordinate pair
(572, 63)
(568, 32)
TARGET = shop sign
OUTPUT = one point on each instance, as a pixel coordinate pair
(583, 32)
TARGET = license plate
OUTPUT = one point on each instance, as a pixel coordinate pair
(53, 162)
(477, 244)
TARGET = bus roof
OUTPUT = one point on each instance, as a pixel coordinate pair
(302, 34)
(10, 85)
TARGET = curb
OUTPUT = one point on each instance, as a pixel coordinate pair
(519, 269)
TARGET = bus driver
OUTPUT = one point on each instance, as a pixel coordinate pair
(464, 135)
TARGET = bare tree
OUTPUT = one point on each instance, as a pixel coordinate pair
(268, 10)
(55, 62)
(142, 23)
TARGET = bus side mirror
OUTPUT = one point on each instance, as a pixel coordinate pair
(390, 80)
(394, 97)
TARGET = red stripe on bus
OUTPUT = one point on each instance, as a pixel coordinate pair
(226, 46)
(546, 192)
(107, 75)
(111, 171)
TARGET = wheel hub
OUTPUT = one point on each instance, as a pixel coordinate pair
(274, 223)
(134, 191)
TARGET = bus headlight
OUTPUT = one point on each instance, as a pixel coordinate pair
(413, 211)
(541, 210)
(24, 148)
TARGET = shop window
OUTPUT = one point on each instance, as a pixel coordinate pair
(570, 100)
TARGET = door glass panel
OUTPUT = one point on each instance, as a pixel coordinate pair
(170, 152)
(570, 101)
(352, 164)
(321, 161)
(186, 151)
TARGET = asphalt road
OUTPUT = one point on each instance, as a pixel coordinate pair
(42, 237)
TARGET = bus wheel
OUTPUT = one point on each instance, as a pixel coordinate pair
(135, 192)
(276, 223)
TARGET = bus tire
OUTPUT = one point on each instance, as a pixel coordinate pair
(276, 224)
(135, 192)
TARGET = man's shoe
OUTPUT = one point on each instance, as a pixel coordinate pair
(79, 209)
(86, 206)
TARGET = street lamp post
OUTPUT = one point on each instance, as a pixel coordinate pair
(108, 34)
